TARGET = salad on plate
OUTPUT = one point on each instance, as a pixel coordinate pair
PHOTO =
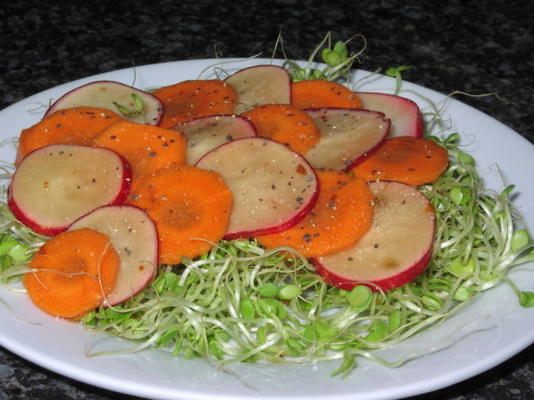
(273, 213)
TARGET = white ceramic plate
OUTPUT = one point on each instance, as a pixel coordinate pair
(483, 335)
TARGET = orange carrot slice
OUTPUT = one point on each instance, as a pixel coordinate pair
(147, 148)
(320, 93)
(285, 124)
(404, 159)
(72, 273)
(187, 100)
(69, 126)
(190, 207)
(342, 214)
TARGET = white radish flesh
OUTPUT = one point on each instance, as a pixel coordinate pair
(259, 85)
(205, 134)
(133, 236)
(273, 187)
(105, 94)
(347, 135)
(395, 250)
(57, 184)
(405, 116)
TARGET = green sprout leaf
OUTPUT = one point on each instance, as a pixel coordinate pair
(458, 268)
(465, 158)
(506, 192)
(269, 289)
(394, 321)
(360, 298)
(324, 331)
(431, 301)
(348, 364)
(520, 239)
(289, 292)
(452, 139)
(526, 299)
(136, 109)
(338, 60)
(261, 334)
(396, 71)
(247, 309)
(19, 253)
(463, 293)
(378, 331)
(460, 195)
(336, 56)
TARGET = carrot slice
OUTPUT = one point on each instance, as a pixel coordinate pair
(73, 272)
(342, 214)
(186, 204)
(147, 148)
(320, 93)
(187, 100)
(285, 124)
(404, 159)
(69, 126)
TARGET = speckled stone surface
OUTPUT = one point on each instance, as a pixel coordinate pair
(487, 47)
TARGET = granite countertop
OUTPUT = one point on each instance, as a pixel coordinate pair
(482, 48)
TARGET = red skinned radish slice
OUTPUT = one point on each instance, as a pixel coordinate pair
(405, 116)
(394, 251)
(133, 236)
(55, 185)
(273, 187)
(132, 104)
(347, 135)
(259, 85)
(205, 134)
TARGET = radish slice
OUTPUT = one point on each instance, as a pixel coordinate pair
(273, 187)
(405, 116)
(133, 236)
(261, 84)
(395, 250)
(204, 134)
(57, 184)
(347, 135)
(105, 94)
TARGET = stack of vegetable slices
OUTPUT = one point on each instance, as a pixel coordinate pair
(263, 183)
